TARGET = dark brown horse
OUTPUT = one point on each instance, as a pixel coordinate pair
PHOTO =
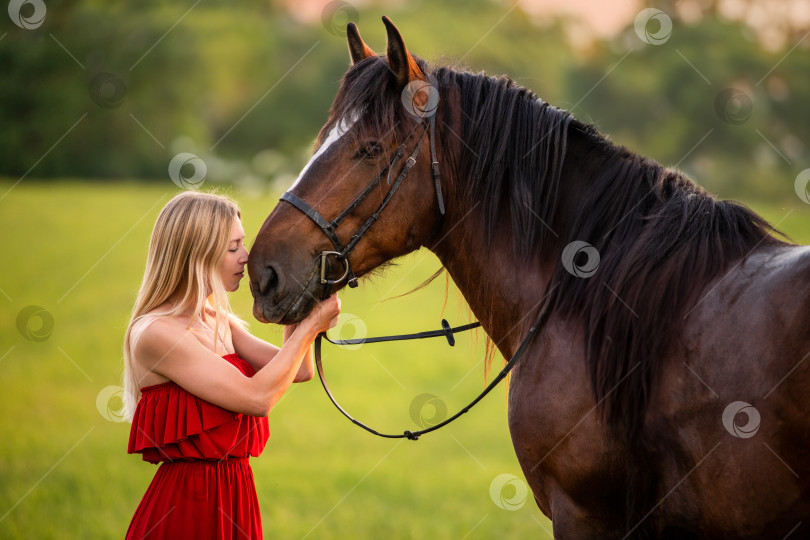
(667, 394)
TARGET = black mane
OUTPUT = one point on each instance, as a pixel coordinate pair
(661, 238)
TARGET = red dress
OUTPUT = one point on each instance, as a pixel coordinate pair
(204, 485)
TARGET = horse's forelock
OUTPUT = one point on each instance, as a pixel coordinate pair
(370, 93)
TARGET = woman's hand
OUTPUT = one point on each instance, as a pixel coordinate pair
(324, 316)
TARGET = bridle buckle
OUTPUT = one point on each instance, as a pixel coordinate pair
(324, 280)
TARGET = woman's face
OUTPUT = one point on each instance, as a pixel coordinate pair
(233, 267)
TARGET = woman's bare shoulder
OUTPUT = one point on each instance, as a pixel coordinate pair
(152, 336)
(155, 333)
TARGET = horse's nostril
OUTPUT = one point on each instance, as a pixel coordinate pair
(269, 280)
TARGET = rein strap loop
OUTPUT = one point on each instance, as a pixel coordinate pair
(445, 331)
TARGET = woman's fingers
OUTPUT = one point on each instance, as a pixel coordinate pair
(331, 306)
(324, 316)
(330, 313)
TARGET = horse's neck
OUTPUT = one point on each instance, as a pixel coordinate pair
(503, 289)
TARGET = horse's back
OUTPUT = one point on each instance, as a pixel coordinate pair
(756, 319)
(732, 414)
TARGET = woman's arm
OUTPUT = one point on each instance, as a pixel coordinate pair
(251, 349)
(307, 369)
(258, 352)
(176, 354)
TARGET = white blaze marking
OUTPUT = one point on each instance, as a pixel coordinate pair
(342, 126)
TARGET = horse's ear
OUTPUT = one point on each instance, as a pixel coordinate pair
(357, 48)
(400, 60)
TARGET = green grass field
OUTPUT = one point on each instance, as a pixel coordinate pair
(77, 249)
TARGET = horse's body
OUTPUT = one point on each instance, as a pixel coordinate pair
(617, 409)
(708, 483)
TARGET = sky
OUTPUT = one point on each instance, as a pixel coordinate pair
(774, 21)
(604, 18)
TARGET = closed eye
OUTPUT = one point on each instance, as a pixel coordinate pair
(369, 150)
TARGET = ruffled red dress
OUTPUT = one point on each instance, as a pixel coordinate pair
(204, 486)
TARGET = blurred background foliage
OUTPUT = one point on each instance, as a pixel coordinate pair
(247, 85)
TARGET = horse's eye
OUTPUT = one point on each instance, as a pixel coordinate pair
(369, 150)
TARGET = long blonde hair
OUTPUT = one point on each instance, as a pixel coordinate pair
(186, 251)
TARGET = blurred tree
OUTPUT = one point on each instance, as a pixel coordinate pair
(113, 90)
(709, 100)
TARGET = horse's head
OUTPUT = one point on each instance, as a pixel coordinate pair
(323, 233)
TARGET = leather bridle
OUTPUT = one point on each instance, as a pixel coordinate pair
(329, 228)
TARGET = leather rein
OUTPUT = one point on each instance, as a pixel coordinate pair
(342, 252)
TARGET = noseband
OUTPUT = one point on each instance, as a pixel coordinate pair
(342, 252)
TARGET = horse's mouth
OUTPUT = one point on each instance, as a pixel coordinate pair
(291, 298)
(294, 310)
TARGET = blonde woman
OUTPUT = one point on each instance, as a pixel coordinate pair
(198, 386)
